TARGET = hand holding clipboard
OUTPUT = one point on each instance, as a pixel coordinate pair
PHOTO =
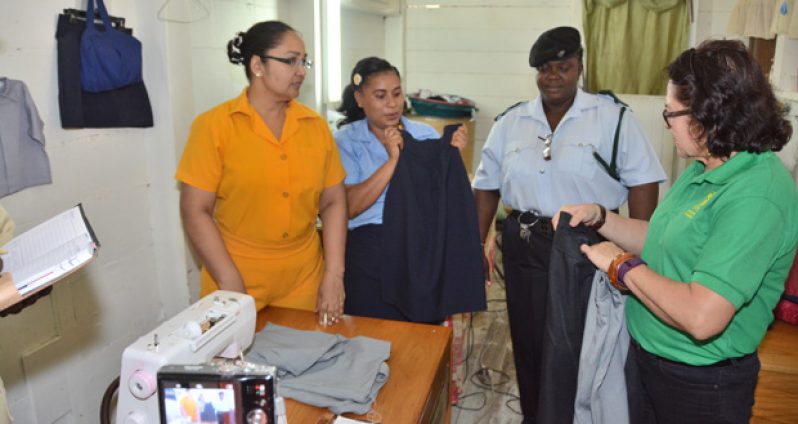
(43, 255)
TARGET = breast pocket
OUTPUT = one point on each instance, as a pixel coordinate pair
(576, 157)
(520, 159)
(310, 168)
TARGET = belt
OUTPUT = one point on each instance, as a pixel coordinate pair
(724, 363)
(536, 223)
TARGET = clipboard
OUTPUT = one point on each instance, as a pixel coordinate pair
(46, 254)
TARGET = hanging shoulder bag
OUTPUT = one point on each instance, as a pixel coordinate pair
(109, 59)
(128, 106)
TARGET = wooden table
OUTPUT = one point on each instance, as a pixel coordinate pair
(418, 384)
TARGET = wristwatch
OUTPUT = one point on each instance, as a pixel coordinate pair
(626, 266)
(602, 218)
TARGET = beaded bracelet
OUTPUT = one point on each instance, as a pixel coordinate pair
(627, 266)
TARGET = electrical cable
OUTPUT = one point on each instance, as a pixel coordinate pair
(469, 349)
(514, 399)
(484, 373)
(497, 310)
(484, 398)
(482, 379)
(105, 405)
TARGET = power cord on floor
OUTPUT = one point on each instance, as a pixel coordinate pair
(482, 379)
(479, 377)
(517, 411)
(497, 300)
(469, 349)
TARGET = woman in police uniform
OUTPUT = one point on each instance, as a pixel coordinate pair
(256, 172)
(538, 157)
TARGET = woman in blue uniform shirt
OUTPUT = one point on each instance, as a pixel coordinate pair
(539, 157)
(370, 143)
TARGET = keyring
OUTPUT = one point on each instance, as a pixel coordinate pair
(535, 214)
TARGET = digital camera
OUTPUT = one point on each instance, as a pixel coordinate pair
(223, 392)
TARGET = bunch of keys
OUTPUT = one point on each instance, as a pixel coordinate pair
(526, 229)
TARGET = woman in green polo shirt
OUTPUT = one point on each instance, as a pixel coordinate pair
(714, 257)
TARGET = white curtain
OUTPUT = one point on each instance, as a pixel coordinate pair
(785, 18)
(753, 18)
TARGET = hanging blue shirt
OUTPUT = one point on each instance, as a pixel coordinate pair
(23, 160)
(362, 154)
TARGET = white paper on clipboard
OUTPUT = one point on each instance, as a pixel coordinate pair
(49, 251)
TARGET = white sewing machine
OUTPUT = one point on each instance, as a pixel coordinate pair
(220, 324)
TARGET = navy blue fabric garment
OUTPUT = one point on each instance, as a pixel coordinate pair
(362, 277)
(570, 279)
(124, 107)
(432, 262)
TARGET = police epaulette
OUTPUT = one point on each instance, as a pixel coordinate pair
(508, 109)
(614, 97)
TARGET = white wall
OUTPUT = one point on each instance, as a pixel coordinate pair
(57, 357)
(362, 35)
(302, 16)
(480, 50)
(215, 79)
(712, 17)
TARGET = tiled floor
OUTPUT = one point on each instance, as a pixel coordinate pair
(490, 360)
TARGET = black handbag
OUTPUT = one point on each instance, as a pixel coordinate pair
(123, 107)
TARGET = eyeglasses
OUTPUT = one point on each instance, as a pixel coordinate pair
(295, 62)
(666, 115)
(546, 146)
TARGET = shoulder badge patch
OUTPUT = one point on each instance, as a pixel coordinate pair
(615, 98)
(508, 109)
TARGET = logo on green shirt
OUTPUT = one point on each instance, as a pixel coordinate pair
(691, 213)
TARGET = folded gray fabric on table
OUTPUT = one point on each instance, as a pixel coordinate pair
(325, 370)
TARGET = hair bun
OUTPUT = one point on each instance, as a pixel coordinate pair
(234, 49)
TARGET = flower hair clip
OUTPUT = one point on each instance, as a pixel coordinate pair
(357, 79)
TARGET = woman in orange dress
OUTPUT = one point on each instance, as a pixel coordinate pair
(256, 172)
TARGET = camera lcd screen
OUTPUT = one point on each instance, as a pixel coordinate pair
(201, 403)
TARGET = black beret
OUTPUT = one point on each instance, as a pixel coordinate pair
(555, 44)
